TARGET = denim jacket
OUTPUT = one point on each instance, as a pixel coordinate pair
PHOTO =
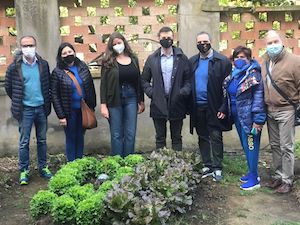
(250, 103)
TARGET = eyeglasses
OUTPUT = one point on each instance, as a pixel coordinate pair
(26, 46)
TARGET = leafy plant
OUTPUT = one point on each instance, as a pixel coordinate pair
(133, 160)
(61, 183)
(63, 210)
(79, 193)
(108, 166)
(122, 171)
(41, 203)
(106, 186)
(90, 210)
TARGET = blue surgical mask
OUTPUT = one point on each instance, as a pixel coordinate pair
(274, 50)
(240, 63)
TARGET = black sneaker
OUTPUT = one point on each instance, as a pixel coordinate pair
(206, 172)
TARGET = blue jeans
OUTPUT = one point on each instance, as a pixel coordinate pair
(74, 135)
(122, 121)
(250, 144)
(36, 116)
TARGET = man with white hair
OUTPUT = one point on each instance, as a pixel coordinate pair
(281, 75)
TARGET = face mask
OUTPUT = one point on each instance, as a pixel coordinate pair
(240, 63)
(119, 48)
(166, 43)
(29, 52)
(69, 59)
(274, 50)
(204, 48)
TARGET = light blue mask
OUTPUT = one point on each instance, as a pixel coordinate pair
(274, 50)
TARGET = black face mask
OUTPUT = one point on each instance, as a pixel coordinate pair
(166, 43)
(204, 48)
(68, 59)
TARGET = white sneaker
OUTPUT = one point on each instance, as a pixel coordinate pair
(206, 172)
(217, 175)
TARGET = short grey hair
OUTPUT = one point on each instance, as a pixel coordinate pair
(28, 36)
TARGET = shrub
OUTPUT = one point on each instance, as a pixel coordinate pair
(41, 203)
(108, 166)
(90, 210)
(63, 210)
(79, 193)
(133, 160)
(60, 184)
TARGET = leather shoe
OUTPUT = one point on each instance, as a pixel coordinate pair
(284, 188)
(273, 183)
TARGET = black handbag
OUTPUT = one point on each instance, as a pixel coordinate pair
(284, 95)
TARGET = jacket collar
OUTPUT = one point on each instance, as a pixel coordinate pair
(176, 51)
(282, 54)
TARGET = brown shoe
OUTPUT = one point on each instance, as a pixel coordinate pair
(284, 188)
(273, 183)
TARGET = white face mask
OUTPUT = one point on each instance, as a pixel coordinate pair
(119, 48)
(29, 52)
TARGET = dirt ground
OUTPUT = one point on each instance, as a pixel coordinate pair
(214, 203)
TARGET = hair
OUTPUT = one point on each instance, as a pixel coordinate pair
(164, 30)
(27, 36)
(59, 61)
(274, 32)
(241, 49)
(204, 32)
(110, 54)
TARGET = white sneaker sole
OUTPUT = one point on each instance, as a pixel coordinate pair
(207, 175)
(257, 186)
(245, 181)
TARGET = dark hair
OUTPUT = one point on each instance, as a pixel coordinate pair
(164, 30)
(241, 49)
(59, 60)
(110, 54)
(204, 32)
(28, 36)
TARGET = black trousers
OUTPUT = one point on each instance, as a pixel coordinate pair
(210, 140)
(161, 133)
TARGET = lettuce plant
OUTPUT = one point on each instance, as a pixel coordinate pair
(133, 160)
(63, 210)
(41, 203)
(79, 193)
(61, 183)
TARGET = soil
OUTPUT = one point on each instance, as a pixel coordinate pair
(214, 203)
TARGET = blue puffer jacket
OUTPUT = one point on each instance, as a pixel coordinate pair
(250, 103)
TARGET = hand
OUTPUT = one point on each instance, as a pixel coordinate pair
(63, 122)
(104, 111)
(258, 127)
(221, 115)
(141, 107)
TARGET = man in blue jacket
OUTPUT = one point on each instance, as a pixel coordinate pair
(27, 84)
(209, 69)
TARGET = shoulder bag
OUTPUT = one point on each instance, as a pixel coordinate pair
(285, 96)
(89, 120)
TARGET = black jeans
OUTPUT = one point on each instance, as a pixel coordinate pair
(210, 140)
(161, 133)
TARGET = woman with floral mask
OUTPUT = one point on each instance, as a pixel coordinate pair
(244, 106)
(66, 97)
(121, 94)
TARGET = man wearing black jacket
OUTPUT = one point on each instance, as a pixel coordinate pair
(27, 83)
(166, 80)
(209, 69)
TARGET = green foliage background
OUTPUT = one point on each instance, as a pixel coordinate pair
(245, 3)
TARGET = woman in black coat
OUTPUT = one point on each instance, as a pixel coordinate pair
(66, 97)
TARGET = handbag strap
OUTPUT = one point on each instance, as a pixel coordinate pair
(284, 95)
(72, 76)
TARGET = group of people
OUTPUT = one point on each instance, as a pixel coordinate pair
(213, 90)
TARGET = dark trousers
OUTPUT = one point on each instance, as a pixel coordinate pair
(74, 136)
(161, 133)
(210, 141)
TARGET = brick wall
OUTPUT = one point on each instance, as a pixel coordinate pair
(89, 24)
(7, 33)
(249, 29)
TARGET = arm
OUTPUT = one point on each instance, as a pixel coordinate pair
(186, 89)
(141, 105)
(56, 95)
(258, 105)
(146, 79)
(8, 80)
(91, 85)
(103, 94)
